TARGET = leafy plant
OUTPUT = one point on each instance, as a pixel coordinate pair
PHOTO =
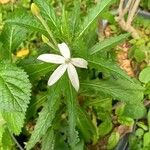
(75, 107)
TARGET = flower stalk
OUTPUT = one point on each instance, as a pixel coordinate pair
(36, 11)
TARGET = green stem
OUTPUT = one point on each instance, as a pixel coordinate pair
(48, 30)
(52, 46)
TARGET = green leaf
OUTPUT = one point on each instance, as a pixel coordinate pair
(105, 103)
(93, 15)
(48, 141)
(148, 119)
(142, 125)
(71, 98)
(75, 18)
(104, 128)
(145, 75)
(12, 37)
(85, 125)
(35, 68)
(25, 19)
(15, 88)
(15, 121)
(108, 66)
(46, 116)
(146, 140)
(113, 140)
(7, 141)
(139, 133)
(107, 44)
(80, 145)
(139, 54)
(134, 110)
(2, 130)
(47, 11)
(2, 127)
(126, 120)
(118, 89)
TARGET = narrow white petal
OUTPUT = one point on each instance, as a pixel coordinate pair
(73, 76)
(64, 50)
(52, 58)
(57, 74)
(79, 62)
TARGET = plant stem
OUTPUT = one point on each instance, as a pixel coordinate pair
(14, 139)
(47, 29)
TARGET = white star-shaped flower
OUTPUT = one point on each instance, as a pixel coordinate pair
(66, 63)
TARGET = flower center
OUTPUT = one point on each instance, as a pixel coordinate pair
(68, 60)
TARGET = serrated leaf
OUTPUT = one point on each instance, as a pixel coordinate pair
(46, 116)
(25, 19)
(12, 37)
(15, 121)
(75, 17)
(85, 125)
(65, 28)
(7, 141)
(107, 44)
(48, 141)
(72, 113)
(145, 75)
(93, 14)
(47, 11)
(118, 89)
(35, 68)
(15, 88)
(108, 66)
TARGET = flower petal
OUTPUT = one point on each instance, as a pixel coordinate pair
(79, 62)
(57, 74)
(52, 58)
(64, 50)
(73, 76)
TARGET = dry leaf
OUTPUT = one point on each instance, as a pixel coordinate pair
(124, 62)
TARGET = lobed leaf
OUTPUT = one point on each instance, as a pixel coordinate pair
(118, 89)
(47, 11)
(107, 66)
(72, 114)
(48, 141)
(46, 117)
(26, 20)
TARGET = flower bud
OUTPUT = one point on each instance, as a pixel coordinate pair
(45, 39)
(35, 9)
